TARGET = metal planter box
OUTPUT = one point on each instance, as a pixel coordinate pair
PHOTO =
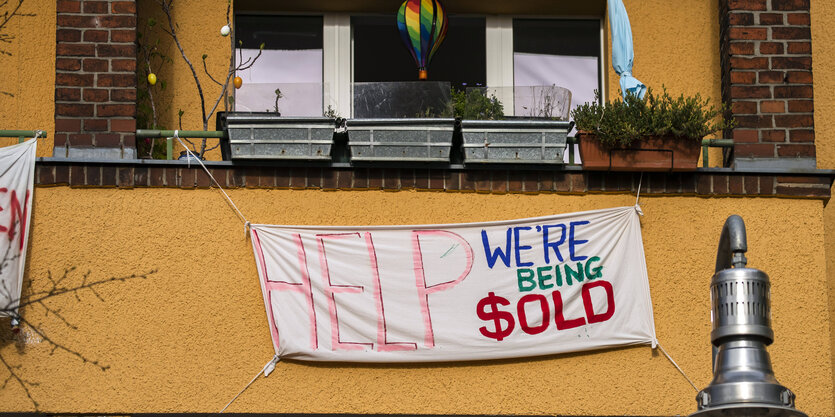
(269, 136)
(514, 141)
(414, 140)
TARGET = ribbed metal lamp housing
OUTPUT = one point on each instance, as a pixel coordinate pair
(743, 380)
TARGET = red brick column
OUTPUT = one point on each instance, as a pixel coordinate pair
(95, 79)
(766, 58)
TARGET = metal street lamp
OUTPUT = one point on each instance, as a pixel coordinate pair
(743, 381)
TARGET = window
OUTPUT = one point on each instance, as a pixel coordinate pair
(356, 66)
(386, 78)
(287, 77)
(555, 62)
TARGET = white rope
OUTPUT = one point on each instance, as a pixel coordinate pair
(677, 367)
(38, 134)
(266, 370)
(232, 203)
(638, 195)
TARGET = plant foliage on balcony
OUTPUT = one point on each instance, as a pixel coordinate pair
(621, 122)
(473, 104)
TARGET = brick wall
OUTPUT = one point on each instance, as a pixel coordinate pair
(95, 79)
(766, 58)
(494, 181)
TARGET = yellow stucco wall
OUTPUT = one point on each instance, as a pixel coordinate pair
(823, 67)
(192, 335)
(29, 73)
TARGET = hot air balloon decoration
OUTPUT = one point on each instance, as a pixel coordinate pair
(422, 25)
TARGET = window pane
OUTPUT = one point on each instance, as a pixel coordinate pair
(290, 62)
(379, 54)
(549, 56)
(386, 76)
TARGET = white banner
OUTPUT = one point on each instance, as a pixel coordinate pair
(17, 177)
(507, 289)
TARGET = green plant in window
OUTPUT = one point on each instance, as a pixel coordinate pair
(473, 104)
(621, 122)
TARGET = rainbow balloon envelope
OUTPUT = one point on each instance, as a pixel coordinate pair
(422, 25)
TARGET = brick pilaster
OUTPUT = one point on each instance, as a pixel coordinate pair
(766, 58)
(95, 79)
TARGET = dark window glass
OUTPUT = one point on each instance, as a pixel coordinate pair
(379, 54)
(557, 37)
(279, 32)
(556, 65)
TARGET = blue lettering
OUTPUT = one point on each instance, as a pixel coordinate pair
(572, 243)
(491, 257)
(520, 248)
(552, 245)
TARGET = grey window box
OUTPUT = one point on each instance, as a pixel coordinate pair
(514, 141)
(269, 136)
(417, 140)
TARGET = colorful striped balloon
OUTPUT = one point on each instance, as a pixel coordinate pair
(422, 25)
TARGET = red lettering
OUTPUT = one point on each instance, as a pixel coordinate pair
(420, 277)
(523, 319)
(17, 212)
(303, 287)
(331, 289)
(382, 341)
(610, 300)
(559, 316)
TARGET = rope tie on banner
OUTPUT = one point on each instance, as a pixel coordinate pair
(228, 199)
(670, 358)
(638, 195)
(266, 370)
(38, 134)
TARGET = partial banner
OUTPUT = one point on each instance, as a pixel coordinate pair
(17, 177)
(456, 292)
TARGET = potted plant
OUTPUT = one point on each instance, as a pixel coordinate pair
(267, 135)
(656, 133)
(488, 139)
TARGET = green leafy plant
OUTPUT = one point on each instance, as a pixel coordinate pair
(473, 104)
(621, 122)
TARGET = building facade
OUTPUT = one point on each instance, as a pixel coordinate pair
(192, 334)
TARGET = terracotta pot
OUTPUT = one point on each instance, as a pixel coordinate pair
(655, 153)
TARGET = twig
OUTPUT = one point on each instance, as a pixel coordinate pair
(224, 84)
(56, 288)
(25, 384)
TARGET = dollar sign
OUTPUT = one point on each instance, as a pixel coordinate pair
(496, 315)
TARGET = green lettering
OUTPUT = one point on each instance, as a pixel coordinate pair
(570, 273)
(558, 275)
(595, 272)
(543, 278)
(525, 278)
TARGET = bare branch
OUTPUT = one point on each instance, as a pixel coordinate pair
(13, 375)
(76, 290)
(55, 287)
(58, 346)
(166, 8)
(206, 69)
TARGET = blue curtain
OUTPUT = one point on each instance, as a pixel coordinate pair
(622, 51)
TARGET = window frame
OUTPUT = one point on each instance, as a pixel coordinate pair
(338, 55)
